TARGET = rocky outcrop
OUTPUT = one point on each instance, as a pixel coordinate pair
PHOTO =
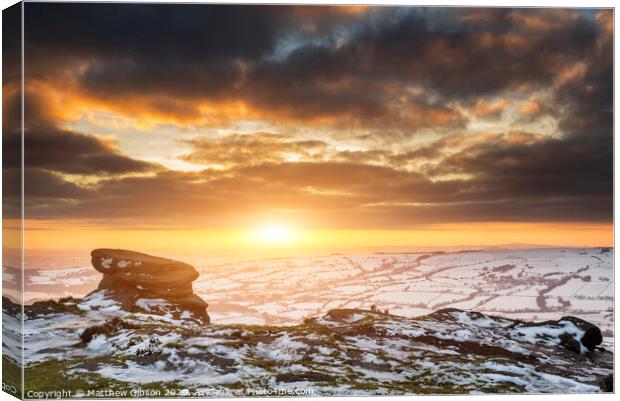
(572, 333)
(346, 352)
(607, 383)
(591, 336)
(131, 276)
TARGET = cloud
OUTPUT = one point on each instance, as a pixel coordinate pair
(45, 193)
(484, 109)
(313, 65)
(350, 117)
(50, 147)
(588, 92)
(50, 154)
(70, 152)
(255, 148)
(355, 195)
(575, 168)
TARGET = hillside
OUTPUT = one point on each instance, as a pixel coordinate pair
(157, 349)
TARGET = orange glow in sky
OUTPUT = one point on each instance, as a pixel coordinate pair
(273, 241)
(326, 128)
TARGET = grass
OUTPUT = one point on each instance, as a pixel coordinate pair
(11, 377)
(108, 328)
(52, 376)
(341, 367)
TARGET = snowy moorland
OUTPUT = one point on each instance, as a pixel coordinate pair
(94, 345)
(532, 284)
(339, 324)
(521, 284)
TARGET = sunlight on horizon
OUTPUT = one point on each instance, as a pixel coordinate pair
(274, 235)
(277, 239)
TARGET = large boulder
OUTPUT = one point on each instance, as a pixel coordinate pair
(140, 268)
(130, 276)
(592, 335)
(607, 384)
(571, 332)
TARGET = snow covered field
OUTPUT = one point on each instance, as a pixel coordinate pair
(533, 284)
(530, 284)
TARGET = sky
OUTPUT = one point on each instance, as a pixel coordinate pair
(235, 127)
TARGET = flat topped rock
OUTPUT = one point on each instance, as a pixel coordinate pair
(141, 268)
(129, 276)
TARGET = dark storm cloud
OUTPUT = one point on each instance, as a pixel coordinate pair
(42, 187)
(353, 70)
(50, 152)
(189, 32)
(333, 194)
(45, 193)
(69, 152)
(178, 49)
(56, 149)
(588, 98)
(578, 168)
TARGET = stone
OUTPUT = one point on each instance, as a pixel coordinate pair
(129, 276)
(304, 376)
(193, 303)
(590, 339)
(592, 334)
(343, 314)
(607, 384)
(570, 342)
(179, 290)
(141, 268)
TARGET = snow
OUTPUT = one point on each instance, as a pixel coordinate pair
(508, 303)
(286, 291)
(282, 349)
(100, 345)
(407, 298)
(535, 334)
(148, 304)
(106, 263)
(96, 300)
(401, 354)
(481, 322)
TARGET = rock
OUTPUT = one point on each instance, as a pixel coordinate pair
(607, 383)
(180, 290)
(129, 276)
(116, 282)
(344, 313)
(570, 342)
(328, 355)
(191, 301)
(110, 282)
(108, 328)
(304, 376)
(140, 268)
(590, 338)
(195, 304)
(592, 334)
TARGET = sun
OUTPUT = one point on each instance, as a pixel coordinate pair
(274, 234)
